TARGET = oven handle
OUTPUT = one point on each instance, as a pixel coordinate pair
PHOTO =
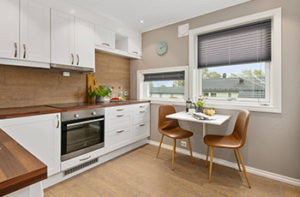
(84, 122)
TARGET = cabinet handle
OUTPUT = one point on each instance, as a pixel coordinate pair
(135, 52)
(141, 125)
(72, 55)
(142, 106)
(121, 131)
(77, 59)
(119, 116)
(24, 46)
(142, 112)
(105, 44)
(120, 109)
(57, 125)
(85, 158)
(16, 49)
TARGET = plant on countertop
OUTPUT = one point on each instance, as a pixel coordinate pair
(100, 91)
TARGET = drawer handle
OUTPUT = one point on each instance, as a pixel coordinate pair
(142, 112)
(141, 125)
(119, 116)
(121, 131)
(135, 52)
(142, 106)
(105, 44)
(85, 158)
(120, 109)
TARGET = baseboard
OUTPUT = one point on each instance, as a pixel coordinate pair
(263, 173)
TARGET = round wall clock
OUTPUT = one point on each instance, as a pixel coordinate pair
(161, 48)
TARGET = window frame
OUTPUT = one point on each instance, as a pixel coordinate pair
(274, 104)
(140, 84)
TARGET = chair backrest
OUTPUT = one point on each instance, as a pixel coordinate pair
(163, 122)
(241, 126)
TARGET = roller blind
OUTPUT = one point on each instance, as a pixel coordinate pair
(244, 44)
(167, 76)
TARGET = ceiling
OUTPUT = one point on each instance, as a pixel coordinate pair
(154, 13)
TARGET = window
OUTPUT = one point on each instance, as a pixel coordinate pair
(167, 84)
(237, 64)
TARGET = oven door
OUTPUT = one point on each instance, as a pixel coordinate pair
(81, 136)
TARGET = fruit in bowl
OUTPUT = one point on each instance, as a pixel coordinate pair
(209, 112)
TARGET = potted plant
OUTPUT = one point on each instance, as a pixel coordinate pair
(100, 92)
(200, 103)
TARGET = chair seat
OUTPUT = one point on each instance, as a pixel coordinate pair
(176, 133)
(222, 141)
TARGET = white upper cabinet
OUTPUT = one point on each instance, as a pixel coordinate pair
(9, 34)
(62, 38)
(84, 44)
(35, 32)
(72, 41)
(134, 46)
(105, 37)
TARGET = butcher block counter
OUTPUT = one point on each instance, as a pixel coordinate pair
(18, 167)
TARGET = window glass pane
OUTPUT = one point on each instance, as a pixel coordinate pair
(173, 89)
(247, 81)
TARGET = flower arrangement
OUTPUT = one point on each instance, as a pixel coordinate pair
(201, 101)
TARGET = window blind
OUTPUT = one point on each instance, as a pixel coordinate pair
(167, 76)
(244, 44)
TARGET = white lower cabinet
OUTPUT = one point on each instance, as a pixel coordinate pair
(125, 125)
(40, 135)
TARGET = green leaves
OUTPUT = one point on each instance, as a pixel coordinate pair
(101, 91)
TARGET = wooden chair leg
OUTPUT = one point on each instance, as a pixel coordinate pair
(237, 160)
(211, 160)
(161, 140)
(173, 155)
(207, 152)
(244, 169)
(189, 141)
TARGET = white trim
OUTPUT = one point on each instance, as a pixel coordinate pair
(275, 67)
(179, 19)
(263, 173)
(140, 82)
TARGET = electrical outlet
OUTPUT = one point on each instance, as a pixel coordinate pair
(183, 143)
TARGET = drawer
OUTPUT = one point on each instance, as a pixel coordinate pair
(141, 107)
(117, 139)
(115, 111)
(141, 130)
(117, 121)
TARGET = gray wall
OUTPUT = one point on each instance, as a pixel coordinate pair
(273, 142)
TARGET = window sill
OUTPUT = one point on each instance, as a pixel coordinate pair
(242, 105)
(167, 102)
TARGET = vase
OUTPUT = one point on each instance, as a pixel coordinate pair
(199, 109)
(99, 99)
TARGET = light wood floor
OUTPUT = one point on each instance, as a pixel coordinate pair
(139, 173)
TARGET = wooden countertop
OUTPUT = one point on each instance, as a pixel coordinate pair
(18, 167)
(82, 106)
(26, 111)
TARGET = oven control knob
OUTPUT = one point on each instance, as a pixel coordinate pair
(94, 113)
(76, 115)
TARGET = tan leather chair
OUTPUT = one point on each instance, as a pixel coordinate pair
(233, 141)
(170, 128)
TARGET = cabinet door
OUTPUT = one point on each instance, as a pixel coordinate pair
(62, 38)
(84, 44)
(9, 34)
(134, 46)
(104, 37)
(35, 32)
(40, 135)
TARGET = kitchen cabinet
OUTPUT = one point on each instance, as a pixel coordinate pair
(35, 32)
(72, 41)
(126, 124)
(134, 46)
(40, 135)
(105, 37)
(25, 33)
(9, 34)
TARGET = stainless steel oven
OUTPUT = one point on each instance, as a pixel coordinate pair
(81, 132)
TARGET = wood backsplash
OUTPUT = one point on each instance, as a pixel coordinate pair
(22, 86)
